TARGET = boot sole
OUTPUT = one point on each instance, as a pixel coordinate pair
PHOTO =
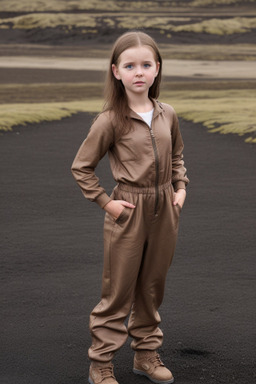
(142, 373)
(90, 380)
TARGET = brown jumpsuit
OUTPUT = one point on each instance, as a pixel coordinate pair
(147, 164)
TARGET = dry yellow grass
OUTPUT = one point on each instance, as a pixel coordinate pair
(50, 20)
(220, 26)
(53, 5)
(109, 5)
(130, 21)
(203, 3)
(163, 23)
(223, 111)
(227, 111)
(105, 5)
(22, 114)
(74, 5)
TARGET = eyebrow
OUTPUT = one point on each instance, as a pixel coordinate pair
(132, 62)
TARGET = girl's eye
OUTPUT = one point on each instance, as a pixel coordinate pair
(129, 66)
(147, 65)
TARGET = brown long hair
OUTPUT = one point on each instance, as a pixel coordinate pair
(115, 95)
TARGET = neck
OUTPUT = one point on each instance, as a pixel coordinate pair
(140, 104)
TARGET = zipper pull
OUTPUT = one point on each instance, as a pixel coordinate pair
(151, 132)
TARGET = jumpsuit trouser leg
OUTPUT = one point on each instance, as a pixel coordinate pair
(138, 250)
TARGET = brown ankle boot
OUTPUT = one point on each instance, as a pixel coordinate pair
(102, 373)
(149, 364)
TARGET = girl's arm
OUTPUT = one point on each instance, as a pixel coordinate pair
(179, 172)
(94, 147)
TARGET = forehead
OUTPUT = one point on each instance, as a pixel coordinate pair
(139, 53)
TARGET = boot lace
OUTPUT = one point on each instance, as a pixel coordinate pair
(107, 372)
(156, 361)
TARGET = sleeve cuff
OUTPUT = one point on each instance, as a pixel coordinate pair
(102, 200)
(179, 185)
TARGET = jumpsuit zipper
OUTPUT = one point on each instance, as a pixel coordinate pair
(156, 167)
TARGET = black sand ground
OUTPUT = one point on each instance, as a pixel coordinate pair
(58, 36)
(51, 260)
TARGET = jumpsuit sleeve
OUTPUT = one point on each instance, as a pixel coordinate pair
(99, 140)
(179, 172)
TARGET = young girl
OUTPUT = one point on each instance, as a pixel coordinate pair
(144, 144)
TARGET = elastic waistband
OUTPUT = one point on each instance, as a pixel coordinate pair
(131, 188)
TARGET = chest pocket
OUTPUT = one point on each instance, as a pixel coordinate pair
(126, 150)
(135, 145)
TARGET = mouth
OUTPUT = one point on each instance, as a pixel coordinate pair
(139, 83)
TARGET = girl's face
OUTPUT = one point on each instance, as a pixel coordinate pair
(137, 69)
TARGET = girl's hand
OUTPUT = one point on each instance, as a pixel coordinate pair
(179, 197)
(115, 207)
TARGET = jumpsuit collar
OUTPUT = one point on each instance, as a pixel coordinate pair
(158, 108)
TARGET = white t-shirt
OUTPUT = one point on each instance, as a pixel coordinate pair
(147, 116)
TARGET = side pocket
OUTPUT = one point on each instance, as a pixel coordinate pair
(176, 207)
(123, 217)
(179, 208)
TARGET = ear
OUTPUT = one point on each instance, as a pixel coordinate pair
(157, 68)
(115, 72)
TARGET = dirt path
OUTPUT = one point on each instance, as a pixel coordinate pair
(51, 260)
(177, 68)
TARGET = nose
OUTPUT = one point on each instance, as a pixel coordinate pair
(139, 71)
